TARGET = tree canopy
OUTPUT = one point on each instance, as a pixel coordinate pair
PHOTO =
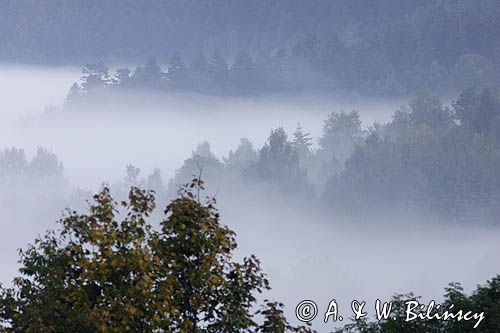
(110, 270)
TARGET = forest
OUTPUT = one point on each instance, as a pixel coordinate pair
(428, 158)
(200, 166)
(387, 48)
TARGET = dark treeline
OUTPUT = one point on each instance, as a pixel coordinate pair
(428, 158)
(446, 160)
(62, 31)
(207, 75)
(486, 298)
(308, 66)
(384, 47)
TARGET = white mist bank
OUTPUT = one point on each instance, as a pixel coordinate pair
(96, 144)
(310, 255)
(27, 90)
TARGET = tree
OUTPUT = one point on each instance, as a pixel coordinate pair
(278, 164)
(308, 50)
(95, 77)
(45, 166)
(244, 74)
(242, 157)
(155, 182)
(486, 298)
(426, 109)
(202, 161)
(150, 75)
(422, 161)
(277, 158)
(473, 70)
(454, 294)
(274, 320)
(122, 77)
(74, 95)
(464, 107)
(178, 74)
(341, 131)
(302, 143)
(13, 164)
(94, 275)
(132, 175)
(479, 112)
(219, 71)
(109, 270)
(278, 70)
(488, 111)
(200, 74)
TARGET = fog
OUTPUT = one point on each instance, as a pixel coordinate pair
(307, 253)
(313, 257)
(27, 90)
(165, 130)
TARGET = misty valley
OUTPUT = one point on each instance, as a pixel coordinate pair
(208, 167)
(336, 194)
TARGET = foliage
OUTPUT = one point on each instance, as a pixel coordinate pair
(278, 164)
(384, 47)
(302, 143)
(424, 160)
(485, 298)
(109, 270)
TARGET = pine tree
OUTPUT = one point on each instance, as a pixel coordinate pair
(302, 142)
